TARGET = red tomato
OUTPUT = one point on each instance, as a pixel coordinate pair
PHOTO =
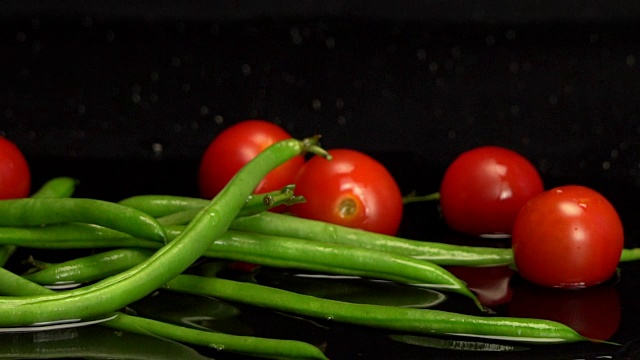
(484, 188)
(15, 177)
(352, 189)
(236, 146)
(491, 284)
(594, 312)
(570, 236)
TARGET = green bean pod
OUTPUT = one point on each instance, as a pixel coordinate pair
(119, 290)
(72, 236)
(287, 253)
(426, 321)
(5, 253)
(163, 205)
(439, 253)
(90, 268)
(12, 284)
(255, 204)
(56, 188)
(302, 254)
(44, 211)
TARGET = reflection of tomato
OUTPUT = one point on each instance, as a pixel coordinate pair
(352, 189)
(593, 312)
(484, 188)
(236, 146)
(570, 236)
(15, 177)
(491, 284)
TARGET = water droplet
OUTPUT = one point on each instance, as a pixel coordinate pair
(630, 60)
(330, 42)
(246, 69)
(157, 148)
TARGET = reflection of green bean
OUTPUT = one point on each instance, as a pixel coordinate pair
(118, 291)
(425, 321)
(252, 346)
(92, 342)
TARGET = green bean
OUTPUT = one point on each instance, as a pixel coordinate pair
(118, 291)
(285, 252)
(60, 187)
(5, 253)
(439, 253)
(163, 205)
(43, 211)
(630, 255)
(15, 285)
(247, 345)
(252, 346)
(72, 236)
(310, 255)
(426, 321)
(256, 203)
(90, 268)
(279, 224)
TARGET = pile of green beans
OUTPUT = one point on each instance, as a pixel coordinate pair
(147, 242)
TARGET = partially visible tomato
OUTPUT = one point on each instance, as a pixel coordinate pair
(236, 146)
(352, 189)
(484, 188)
(569, 236)
(15, 176)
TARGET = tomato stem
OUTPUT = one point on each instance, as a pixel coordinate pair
(411, 198)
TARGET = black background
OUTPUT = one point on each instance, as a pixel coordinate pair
(126, 97)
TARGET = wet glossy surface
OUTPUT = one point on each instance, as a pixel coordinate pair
(127, 105)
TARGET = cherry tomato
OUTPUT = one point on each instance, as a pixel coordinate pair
(352, 189)
(491, 284)
(484, 188)
(236, 146)
(15, 176)
(593, 312)
(569, 236)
